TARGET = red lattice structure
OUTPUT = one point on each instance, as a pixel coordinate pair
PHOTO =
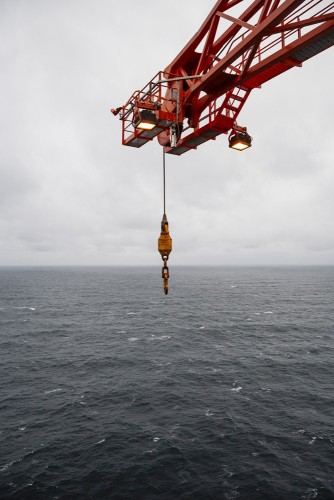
(241, 45)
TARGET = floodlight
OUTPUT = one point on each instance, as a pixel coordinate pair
(144, 119)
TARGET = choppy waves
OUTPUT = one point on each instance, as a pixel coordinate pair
(222, 390)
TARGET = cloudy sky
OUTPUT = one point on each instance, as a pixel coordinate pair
(70, 193)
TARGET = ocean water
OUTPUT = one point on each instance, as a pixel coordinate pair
(221, 390)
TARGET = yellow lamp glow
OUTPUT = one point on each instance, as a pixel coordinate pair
(145, 119)
(240, 140)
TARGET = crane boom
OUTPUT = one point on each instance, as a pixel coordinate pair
(241, 45)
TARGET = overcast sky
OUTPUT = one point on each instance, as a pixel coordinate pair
(70, 193)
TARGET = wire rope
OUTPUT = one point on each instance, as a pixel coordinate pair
(164, 176)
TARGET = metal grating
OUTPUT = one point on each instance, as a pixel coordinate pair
(200, 139)
(179, 150)
(314, 48)
(149, 134)
(135, 142)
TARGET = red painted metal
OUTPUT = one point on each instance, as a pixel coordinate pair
(241, 45)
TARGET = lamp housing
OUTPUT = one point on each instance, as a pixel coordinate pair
(240, 139)
(144, 119)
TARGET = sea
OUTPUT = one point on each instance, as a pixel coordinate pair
(223, 389)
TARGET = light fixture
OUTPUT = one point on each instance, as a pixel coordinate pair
(239, 139)
(144, 119)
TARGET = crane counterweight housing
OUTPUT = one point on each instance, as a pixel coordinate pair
(241, 45)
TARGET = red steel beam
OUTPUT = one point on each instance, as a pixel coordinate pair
(264, 40)
(254, 36)
(279, 62)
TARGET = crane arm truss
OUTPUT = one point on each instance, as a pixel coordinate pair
(241, 45)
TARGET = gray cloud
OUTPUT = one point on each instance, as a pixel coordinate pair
(71, 193)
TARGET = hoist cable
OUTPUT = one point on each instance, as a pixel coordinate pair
(164, 241)
(164, 176)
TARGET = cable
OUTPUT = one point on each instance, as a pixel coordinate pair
(164, 241)
(164, 176)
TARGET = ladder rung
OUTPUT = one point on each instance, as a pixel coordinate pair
(236, 97)
(232, 108)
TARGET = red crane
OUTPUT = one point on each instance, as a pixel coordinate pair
(241, 45)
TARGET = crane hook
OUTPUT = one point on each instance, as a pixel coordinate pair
(165, 248)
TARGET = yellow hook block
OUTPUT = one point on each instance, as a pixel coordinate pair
(165, 240)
